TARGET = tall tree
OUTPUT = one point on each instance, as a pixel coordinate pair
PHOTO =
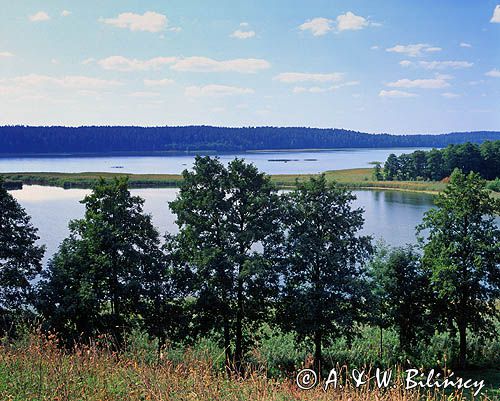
(462, 251)
(490, 152)
(228, 218)
(20, 257)
(402, 295)
(377, 171)
(436, 169)
(419, 167)
(99, 278)
(391, 167)
(324, 279)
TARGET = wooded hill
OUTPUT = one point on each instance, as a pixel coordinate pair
(122, 139)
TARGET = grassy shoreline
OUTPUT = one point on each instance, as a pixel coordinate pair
(360, 178)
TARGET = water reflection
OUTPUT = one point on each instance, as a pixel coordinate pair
(391, 215)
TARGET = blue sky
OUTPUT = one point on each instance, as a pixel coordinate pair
(374, 66)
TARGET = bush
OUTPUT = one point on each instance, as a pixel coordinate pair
(494, 185)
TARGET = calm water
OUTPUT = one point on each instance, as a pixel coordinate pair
(269, 162)
(390, 215)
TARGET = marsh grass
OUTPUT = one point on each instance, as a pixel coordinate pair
(352, 178)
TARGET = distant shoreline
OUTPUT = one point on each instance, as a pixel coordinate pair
(124, 140)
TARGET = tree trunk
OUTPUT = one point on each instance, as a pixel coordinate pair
(381, 343)
(462, 330)
(317, 352)
(238, 353)
(227, 346)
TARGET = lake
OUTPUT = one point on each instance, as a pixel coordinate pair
(286, 162)
(391, 215)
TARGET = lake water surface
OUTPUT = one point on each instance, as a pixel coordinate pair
(391, 215)
(299, 162)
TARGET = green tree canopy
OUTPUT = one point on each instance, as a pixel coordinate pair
(401, 294)
(462, 252)
(324, 280)
(20, 257)
(227, 219)
(104, 273)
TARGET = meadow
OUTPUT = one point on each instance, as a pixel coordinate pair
(35, 368)
(359, 178)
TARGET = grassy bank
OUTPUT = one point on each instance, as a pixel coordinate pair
(353, 178)
(36, 369)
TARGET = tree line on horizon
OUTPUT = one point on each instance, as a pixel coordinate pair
(108, 139)
(436, 164)
(246, 255)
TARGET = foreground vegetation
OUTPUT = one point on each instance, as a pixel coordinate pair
(35, 368)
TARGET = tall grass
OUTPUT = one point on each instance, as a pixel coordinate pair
(36, 368)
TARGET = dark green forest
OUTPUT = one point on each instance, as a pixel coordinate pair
(250, 264)
(64, 140)
(436, 164)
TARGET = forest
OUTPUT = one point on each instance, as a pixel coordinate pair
(253, 275)
(109, 139)
(437, 164)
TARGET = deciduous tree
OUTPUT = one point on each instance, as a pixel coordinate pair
(462, 251)
(324, 280)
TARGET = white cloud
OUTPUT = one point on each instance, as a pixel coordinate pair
(413, 50)
(351, 22)
(120, 63)
(375, 47)
(344, 22)
(216, 91)
(318, 89)
(441, 65)
(293, 77)
(396, 94)
(437, 65)
(144, 94)
(405, 63)
(192, 64)
(6, 54)
(68, 82)
(496, 15)
(433, 83)
(493, 73)
(158, 82)
(239, 34)
(450, 95)
(149, 21)
(218, 109)
(244, 24)
(318, 26)
(464, 44)
(89, 60)
(39, 16)
(205, 64)
(65, 13)
(175, 29)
